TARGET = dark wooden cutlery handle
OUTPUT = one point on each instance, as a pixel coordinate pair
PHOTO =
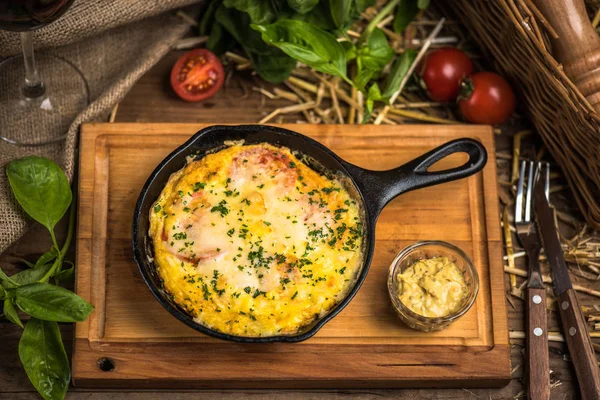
(538, 370)
(580, 345)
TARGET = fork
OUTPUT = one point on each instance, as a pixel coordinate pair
(538, 371)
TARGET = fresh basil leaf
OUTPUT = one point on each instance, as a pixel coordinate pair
(46, 258)
(407, 11)
(238, 25)
(52, 303)
(43, 356)
(41, 187)
(66, 275)
(219, 40)
(377, 53)
(373, 95)
(208, 17)
(422, 4)
(307, 44)
(27, 276)
(362, 5)
(320, 16)
(362, 78)
(6, 279)
(340, 11)
(260, 11)
(11, 313)
(2, 293)
(349, 50)
(269, 62)
(398, 71)
(302, 6)
(273, 68)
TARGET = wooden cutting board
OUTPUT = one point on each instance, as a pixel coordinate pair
(131, 341)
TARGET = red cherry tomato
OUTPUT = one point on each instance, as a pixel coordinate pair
(442, 71)
(197, 75)
(486, 98)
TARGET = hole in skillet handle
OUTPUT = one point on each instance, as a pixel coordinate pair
(380, 187)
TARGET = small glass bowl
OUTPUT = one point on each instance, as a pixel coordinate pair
(426, 250)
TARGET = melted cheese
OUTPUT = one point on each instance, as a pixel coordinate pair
(252, 242)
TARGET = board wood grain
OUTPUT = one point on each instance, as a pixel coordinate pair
(364, 346)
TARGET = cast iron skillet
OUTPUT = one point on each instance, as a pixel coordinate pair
(373, 190)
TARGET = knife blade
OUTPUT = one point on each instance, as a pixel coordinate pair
(550, 240)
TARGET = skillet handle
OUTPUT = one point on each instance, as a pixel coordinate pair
(380, 187)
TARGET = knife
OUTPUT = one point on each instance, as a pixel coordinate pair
(574, 327)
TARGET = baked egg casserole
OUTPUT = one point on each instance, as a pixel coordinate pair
(253, 242)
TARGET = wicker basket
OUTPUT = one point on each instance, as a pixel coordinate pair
(508, 31)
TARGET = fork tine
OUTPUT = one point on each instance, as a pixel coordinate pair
(530, 185)
(547, 183)
(519, 199)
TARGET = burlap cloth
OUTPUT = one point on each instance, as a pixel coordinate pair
(113, 43)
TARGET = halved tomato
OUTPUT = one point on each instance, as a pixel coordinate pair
(197, 75)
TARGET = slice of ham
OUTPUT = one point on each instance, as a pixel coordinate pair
(258, 165)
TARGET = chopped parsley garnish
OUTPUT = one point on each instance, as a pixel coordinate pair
(231, 232)
(295, 294)
(198, 185)
(292, 164)
(180, 236)
(342, 270)
(157, 208)
(339, 211)
(221, 208)
(247, 289)
(267, 223)
(331, 189)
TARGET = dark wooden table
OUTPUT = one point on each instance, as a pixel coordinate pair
(151, 100)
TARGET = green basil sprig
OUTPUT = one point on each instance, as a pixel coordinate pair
(275, 34)
(43, 355)
(52, 303)
(308, 44)
(340, 11)
(302, 6)
(260, 11)
(42, 189)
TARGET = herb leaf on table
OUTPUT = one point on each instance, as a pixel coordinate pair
(42, 189)
(302, 6)
(52, 303)
(275, 35)
(260, 11)
(43, 355)
(308, 44)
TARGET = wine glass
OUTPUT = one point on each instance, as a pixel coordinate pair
(44, 93)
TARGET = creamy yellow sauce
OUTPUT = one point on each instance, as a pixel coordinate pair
(252, 242)
(433, 287)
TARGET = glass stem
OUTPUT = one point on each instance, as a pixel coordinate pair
(33, 87)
